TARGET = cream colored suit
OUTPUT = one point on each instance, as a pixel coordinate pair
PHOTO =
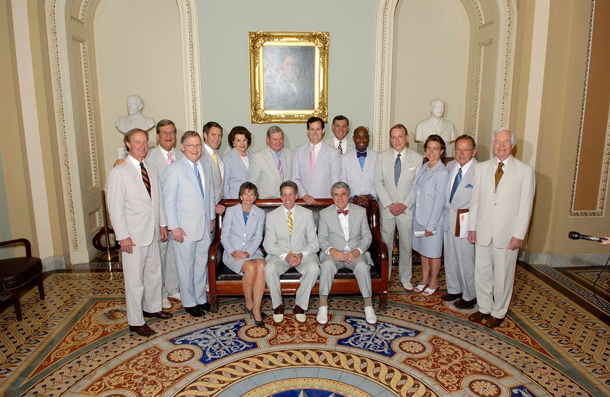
(388, 193)
(497, 215)
(263, 172)
(139, 216)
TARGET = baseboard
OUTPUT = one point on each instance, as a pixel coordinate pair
(563, 260)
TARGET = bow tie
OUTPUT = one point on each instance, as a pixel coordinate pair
(359, 154)
(344, 212)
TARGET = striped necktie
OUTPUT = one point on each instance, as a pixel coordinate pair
(290, 223)
(145, 178)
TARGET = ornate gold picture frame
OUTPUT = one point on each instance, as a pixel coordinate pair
(288, 76)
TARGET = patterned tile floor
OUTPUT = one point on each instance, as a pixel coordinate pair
(75, 343)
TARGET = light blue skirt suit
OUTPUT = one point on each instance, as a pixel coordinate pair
(236, 173)
(239, 235)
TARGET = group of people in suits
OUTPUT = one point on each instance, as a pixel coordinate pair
(419, 200)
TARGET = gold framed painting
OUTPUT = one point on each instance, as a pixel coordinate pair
(288, 76)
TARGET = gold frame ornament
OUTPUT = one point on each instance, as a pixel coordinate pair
(288, 76)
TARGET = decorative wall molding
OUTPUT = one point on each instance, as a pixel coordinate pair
(601, 194)
(82, 13)
(509, 52)
(476, 106)
(189, 31)
(95, 175)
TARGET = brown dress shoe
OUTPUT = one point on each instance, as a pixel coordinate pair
(450, 297)
(493, 322)
(143, 330)
(462, 304)
(477, 317)
(160, 314)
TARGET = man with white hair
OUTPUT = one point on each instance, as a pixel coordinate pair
(500, 211)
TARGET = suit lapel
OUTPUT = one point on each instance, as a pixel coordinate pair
(320, 160)
(136, 174)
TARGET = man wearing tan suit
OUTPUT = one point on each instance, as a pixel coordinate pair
(136, 211)
(500, 211)
(271, 166)
(394, 178)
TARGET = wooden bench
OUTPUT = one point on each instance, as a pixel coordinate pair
(224, 282)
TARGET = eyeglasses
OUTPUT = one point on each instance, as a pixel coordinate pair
(167, 132)
(463, 150)
(192, 146)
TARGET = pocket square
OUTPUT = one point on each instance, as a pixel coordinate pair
(411, 169)
(469, 186)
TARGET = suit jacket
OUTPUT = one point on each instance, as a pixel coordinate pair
(207, 158)
(326, 172)
(132, 211)
(504, 213)
(277, 237)
(330, 232)
(429, 193)
(347, 144)
(360, 180)
(389, 193)
(184, 206)
(264, 174)
(240, 236)
(157, 158)
(461, 198)
(236, 173)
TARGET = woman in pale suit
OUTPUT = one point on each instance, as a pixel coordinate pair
(237, 161)
(241, 237)
(429, 189)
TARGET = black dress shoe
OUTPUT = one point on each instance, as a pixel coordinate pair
(450, 297)
(205, 307)
(160, 314)
(195, 311)
(462, 304)
(143, 330)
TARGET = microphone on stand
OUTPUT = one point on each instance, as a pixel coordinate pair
(578, 236)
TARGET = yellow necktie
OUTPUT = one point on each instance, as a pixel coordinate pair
(217, 165)
(290, 223)
(499, 173)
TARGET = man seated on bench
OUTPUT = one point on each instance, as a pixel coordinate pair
(344, 237)
(291, 241)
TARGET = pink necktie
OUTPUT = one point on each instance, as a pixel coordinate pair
(280, 168)
(340, 148)
(169, 158)
(312, 160)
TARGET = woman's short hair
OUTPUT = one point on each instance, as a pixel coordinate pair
(248, 186)
(239, 130)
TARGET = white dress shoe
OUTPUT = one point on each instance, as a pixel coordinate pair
(408, 287)
(166, 304)
(278, 318)
(322, 315)
(176, 296)
(369, 314)
(301, 317)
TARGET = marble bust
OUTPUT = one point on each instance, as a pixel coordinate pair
(436, 124)
(134, 118)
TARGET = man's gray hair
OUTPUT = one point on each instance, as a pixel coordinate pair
(188, 134)
(273, 129)
(513, 138)
(340, 185)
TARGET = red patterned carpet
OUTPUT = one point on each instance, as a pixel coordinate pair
(75, 343)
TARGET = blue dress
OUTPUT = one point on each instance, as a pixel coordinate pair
(429, 190)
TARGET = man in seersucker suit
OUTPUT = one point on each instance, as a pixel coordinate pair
(500, 211)
(272, 165)
(459, 253)
(136, 211)
(394, 178)
(344, 236)
(161, 156)
(188, 196)
(316, 165)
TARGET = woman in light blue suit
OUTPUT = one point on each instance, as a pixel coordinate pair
(237, 161)
(429, 189)
(241, 237)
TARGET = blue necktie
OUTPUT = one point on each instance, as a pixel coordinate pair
(456, 183)
(397, 169)
(199, 180)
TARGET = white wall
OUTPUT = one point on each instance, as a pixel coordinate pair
(224, 27)
(138, 51)
(431, 46)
